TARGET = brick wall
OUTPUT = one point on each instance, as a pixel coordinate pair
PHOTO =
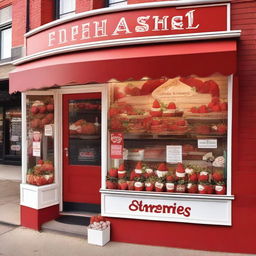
(87, 5)
(5, 3)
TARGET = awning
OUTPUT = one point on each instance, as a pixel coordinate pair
(154, 61)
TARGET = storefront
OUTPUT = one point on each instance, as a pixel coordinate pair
(130, 112)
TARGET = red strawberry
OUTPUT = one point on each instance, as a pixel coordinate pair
(218, 176)
(45, 121)
(170, 187)
(156, 104)
(111, 185)
(150, 85)
(149, 186)
(221, 128)
(171, 105)
(159, 187)
(210, 189)
(181, 123)
(138, 186)
(213, 88)
(170, 178)
(203, 176)
(193, 82)
(202, 189)
(215, 100)
(116, 125)
(224, 106)
(220, 188)
(192, 188)
(113, 112)
(40, 161)
(113, 172)
(122, 185)
(216, 108)
(34, 110)
(138, 165)
(162, 167)
(194, 110)
(203, 109)
(135, 91)
(50, 107)
(180, 168)
(130, 185)
(42, 109)
(193, 177)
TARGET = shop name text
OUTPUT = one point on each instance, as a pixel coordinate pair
(159, 208)
(103, 28)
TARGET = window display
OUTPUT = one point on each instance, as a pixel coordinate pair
(40, 139)
(169, 135)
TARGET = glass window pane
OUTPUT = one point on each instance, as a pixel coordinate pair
(6, 15)
(6, 43)
(40, 140)
(117, 3)
(67, 6)
(84, 132)
(169, 135)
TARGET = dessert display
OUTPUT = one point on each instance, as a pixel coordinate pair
(186, 116)
(166, 178)
(40, 120)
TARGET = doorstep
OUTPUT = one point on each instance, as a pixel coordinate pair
(72, 224)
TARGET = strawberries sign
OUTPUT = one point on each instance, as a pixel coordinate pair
(116, 145)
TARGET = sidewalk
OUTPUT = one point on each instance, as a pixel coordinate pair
(10, 178)
(24, 242)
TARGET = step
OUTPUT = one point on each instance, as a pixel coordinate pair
(69, 224)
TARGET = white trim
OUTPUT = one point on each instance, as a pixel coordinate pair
(131, 41)
(229, 135)
(228, 16)
(167, 195)
(6, 63)
(24, 137)
(121, 9)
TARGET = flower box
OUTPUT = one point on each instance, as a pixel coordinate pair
(99, 237)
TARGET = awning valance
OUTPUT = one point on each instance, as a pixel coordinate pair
(180, 59)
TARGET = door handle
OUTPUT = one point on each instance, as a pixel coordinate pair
(66, 152)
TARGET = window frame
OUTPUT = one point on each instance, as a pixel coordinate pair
(57, 10)
(108, 4)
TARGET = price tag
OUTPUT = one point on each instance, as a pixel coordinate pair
(206, 143)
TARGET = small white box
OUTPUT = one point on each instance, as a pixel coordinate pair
(98, 237)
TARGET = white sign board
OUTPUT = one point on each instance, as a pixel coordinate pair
(204, 143)
(189, 210)
(174, 154)
(36, 146)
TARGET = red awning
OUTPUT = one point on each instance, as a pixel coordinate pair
(180, 59)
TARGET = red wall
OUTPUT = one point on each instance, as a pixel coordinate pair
(241, 236)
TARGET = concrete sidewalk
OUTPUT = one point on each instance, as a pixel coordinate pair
(10, 178)
(24, 242)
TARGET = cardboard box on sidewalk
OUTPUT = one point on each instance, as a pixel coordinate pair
(98, 237)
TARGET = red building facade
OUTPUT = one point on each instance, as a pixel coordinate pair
(228, 55)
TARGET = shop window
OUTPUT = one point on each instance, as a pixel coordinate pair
(5, 32)
(115, 3)
(40, 140)
(169, 135)
(65, 8)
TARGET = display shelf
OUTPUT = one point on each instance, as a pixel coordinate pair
(84, 137)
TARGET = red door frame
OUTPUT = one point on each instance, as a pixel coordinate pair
(86, 179)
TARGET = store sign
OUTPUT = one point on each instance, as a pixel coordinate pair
(131, 24)
(189, 210)
(116, 145)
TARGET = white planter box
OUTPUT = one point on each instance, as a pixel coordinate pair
(98, 237)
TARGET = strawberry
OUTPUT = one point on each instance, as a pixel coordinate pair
(194, 110)
(162, 167)
(121, 171)
(156, 104)
(181, 186)
(218, 176)
(40, 161)
(215, 100)
(203, 129)
(149, 186)
(50, 107)
(113, 172)
(170, 186)
(220, 188)
(203, 109)
(192, 188)
(139, 186)
(40, 180)
(216, 108)
(34, 110)
(193, 177)
(213, 88)
(50, 117)
(111, 184)
(45, 121)
(113, 112)
(170, 177)
(135, 91)
(181, 123)
(193, 82)
(203, 176)
(224, 106)
(210, 188)
(42, 109)
(122, 184)
(150, 85)
(202, 188)
(171, 105)
(180, 171)
(222, 128)
(159, 186)
(130, 185)
(116, 125)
